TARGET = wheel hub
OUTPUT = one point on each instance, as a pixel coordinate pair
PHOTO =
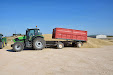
(39, 44)
(17, 47)
(60, 46)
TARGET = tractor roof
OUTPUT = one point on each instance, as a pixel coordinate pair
(1, 34)
(33, 29)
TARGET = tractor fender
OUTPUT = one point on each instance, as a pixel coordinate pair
(37, 37)
(19, 42)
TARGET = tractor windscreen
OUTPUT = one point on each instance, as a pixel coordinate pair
(37, 32)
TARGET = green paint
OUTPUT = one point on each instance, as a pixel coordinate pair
(39, 36)
(3, 39)
(20, 38)
(23, 37)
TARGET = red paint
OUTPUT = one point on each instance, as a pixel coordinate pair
(62, 33)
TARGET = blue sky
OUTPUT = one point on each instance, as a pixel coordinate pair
(95, 16)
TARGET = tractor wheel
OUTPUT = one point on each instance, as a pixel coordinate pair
(1, 45)
(18, 46)
(60, 45)
(39, 43)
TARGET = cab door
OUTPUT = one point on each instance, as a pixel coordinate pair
(30, 34)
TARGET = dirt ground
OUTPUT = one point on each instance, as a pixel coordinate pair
(67, 61)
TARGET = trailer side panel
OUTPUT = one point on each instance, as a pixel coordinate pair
(69, 34)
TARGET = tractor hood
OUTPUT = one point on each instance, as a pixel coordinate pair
(19, 39)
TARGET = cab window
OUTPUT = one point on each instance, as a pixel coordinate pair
(31, 33)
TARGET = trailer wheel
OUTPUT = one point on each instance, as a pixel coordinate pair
(79, 44)
(39, 43)
(18, 46)
(1, 45)
(60, 45)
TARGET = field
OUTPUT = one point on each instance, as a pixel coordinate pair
(88, 60)
(66, 61)
(110, 39)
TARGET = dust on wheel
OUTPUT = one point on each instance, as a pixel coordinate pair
(60, 45)
(18, 46)
(39, 43)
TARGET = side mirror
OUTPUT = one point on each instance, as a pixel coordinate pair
(40, 33)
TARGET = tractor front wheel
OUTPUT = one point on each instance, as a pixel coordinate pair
(18, 46)
(1, 45)
(39, 43)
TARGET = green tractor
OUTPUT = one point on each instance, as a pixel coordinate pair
(3, 41)
(32, 39)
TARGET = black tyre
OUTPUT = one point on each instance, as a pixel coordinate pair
(39, 43)
(60, 45)
(18, 46)
(1, 45)
(74, 44)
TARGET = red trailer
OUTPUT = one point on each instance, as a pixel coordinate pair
(69, 34)
(73, 37)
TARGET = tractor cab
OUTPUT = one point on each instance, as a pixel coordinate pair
(30, 33)
(33, 32)
(3, 41)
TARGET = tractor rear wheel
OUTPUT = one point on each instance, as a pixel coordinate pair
(1, 45)
(39, 43)
(18, 46)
